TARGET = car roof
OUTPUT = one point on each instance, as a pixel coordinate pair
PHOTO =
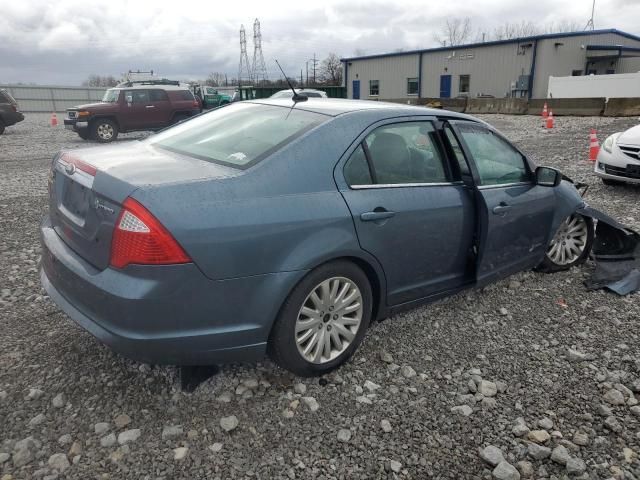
(339, 106)
(151, 86)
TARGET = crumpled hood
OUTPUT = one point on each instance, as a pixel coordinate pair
(630, 137)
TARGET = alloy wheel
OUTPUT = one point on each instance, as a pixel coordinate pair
(328, 320)
(569, 242)
(105, 131)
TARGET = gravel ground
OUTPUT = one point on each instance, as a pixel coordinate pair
(534, 374)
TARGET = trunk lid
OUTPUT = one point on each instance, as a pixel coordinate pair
(87, 188)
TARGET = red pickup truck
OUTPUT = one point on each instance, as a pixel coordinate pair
(132, 108)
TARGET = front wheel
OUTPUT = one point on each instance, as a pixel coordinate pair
(104, 130)
(323, 320)
(571, 244)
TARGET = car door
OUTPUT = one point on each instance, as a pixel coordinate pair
(408, 210)
(160, 114)
(137, 109)
(514, 213)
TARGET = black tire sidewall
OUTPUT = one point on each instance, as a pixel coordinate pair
(103, 121)
(282, 347)
(549, 266)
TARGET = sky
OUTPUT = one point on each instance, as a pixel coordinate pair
(62, 42)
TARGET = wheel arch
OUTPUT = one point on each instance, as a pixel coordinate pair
(371, 269)
(113, 118)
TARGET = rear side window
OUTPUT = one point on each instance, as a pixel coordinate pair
(356, 170)
(158, 95)
(238, 135)
(184, 95)
(406, 153)
(498, 163)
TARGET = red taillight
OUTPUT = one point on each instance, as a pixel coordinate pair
(79, 164)
(196, 104)
(141, 239)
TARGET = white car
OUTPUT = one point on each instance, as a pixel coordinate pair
(307, 92)
(619, 158)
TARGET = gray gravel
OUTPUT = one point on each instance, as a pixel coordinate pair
(547, 353)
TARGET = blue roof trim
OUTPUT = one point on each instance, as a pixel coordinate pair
(497, 42)
(623, 48)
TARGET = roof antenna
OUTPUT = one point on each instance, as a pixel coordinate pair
(296, 96)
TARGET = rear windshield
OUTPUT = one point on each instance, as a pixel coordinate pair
(238, 135)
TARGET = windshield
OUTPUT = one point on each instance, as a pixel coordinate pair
(239, 135)
(283, 94)
(111, 95)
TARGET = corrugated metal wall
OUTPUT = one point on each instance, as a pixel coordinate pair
(391, 72)
(32, 98)
(560, 60)
(492, 69)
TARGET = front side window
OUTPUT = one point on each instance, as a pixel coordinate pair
(465, 81)
(404, 153)
(412, 86)
(111, 95)
(497, 162)
(374, 88)
(238, 135)
(457, 151)
(356, 170)
(137, 96)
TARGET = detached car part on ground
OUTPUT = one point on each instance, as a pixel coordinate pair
(618, 161)
(282, 227)
(10, 114)
(129, 109)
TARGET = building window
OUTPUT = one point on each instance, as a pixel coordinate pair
(576, 73)
(374, 88)
(464, 84)
(412, 86)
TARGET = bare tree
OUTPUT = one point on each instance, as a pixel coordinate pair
(94, 80)
(331, 70)
(563, 26)
(508, 31)
(455, 31)
(215, 79)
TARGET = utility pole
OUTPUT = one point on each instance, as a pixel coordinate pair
(314, 66)
(300, 77)
(307, 65)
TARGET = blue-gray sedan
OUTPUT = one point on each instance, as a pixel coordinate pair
(282, 227)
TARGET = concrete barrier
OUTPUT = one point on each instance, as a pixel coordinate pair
(622, 107)
(451, 104)
(508, 106)
(579, 107)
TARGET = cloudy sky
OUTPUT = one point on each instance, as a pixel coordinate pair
(63, 41)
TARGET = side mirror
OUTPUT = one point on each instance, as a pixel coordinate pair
(548, 177)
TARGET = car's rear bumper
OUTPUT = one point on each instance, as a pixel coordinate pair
(164, 314)
(11, 118)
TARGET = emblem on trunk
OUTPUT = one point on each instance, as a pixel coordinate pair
(70, 168)
(101, 206)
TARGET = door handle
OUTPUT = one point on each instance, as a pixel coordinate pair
(376, 215)
(501, 209)
(150, 106)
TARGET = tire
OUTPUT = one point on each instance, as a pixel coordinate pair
(1, 127)
(179, 117)
(287, 348)
(612, 183)
(559, 255)
(104, 130)
(84, 135)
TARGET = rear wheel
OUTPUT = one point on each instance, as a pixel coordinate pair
(104, 130)
(323, 320)
(571, 244)
(612, 183)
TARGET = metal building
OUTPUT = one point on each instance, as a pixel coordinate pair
(508, 68)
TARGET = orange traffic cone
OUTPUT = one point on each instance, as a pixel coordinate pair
(550, 121)
(54, 120)
(594, 146)
(545, 111)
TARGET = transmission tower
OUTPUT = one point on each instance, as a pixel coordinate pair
(590, 24)
(244, 69)
(259, 68)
